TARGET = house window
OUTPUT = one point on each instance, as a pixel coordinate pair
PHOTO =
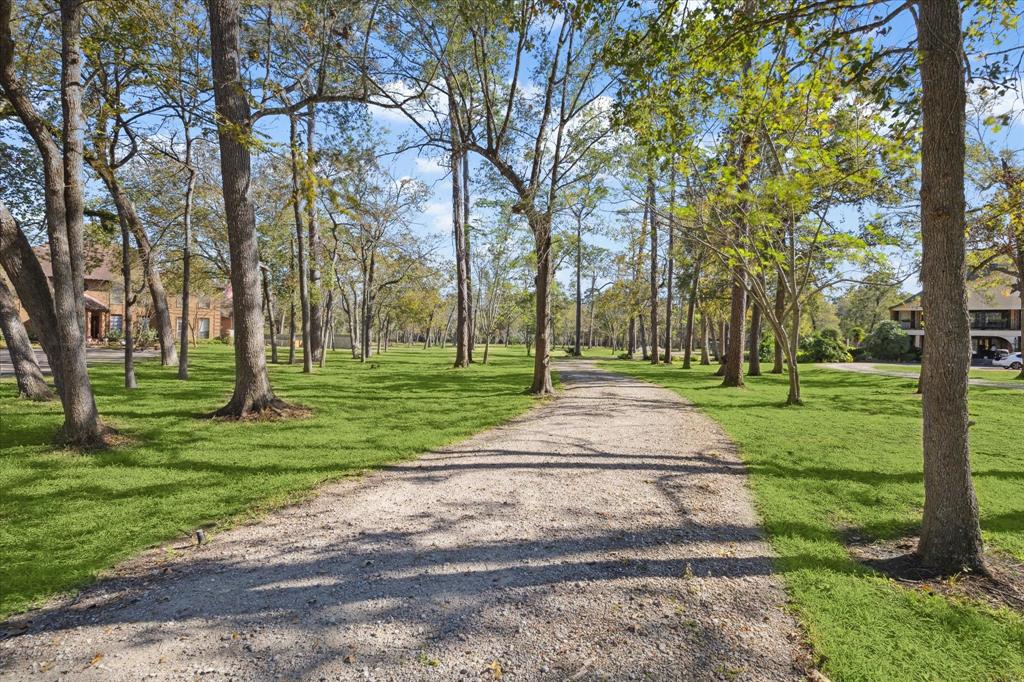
(115, 323)
(203, 302)
(117, 294)
(204, 327)
(178, 328)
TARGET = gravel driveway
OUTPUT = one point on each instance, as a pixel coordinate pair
(606, 535)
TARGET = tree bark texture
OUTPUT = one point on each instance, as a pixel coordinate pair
(252, 392)
(950, 533)
(29, 377)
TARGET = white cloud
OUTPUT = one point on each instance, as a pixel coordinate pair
(437, 217)
(429, 166)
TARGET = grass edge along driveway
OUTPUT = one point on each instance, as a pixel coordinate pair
(850, 460)
(65, 517)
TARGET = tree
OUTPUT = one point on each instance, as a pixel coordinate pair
(252, 393)
(950, 533)
(533, 140)
(30, 380)
(62, 170)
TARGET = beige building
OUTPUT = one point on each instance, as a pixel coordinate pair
(995, 316)
(210, 315)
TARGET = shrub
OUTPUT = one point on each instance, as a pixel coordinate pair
(822, 348)
(857, 335)
(114, 335)
(831, 334)
(887, 341)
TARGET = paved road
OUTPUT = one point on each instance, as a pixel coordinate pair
(608, 534)
(92, 356)
(912, 374)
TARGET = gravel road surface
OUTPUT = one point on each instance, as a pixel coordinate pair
(608, 534)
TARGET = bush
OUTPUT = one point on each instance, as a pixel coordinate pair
(887, 341)
(824, 348)
(831, 334)
(857, 335)
(143, 339)
(114, 335)
(858, 354)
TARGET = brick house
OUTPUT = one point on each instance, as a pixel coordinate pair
(210, 315)
(994, 307)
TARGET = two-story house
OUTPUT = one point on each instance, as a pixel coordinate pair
(104, 301)
(994, 307)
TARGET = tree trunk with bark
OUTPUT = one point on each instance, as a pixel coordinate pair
(542, 385)
(129, 299)
(950, 533)
(462, 286)
(300, 241)
(704, 340)
(754, 368)
(691, 306)
(466, 254)
(651, 198)
(19, 262)
(268, 301)
(317, 308)
(737, 319)
(669, 266)
(576, 351)
(780, 311)
(29, 377)
(186, 261)
(252, 392)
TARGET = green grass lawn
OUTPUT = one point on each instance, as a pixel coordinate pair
(990, 374)
(66, 516)
(851, 459)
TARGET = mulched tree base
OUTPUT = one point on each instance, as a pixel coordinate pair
(1003, 586)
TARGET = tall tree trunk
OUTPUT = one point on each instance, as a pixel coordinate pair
(754, 370)
(300, 241)
(950, 533)
(542, 357)
(793, 349)
(631, 338)
(126, 211)
(737, 320)
(29, 377)
(19, 262)
(82, 426)
(644, 355)
(593, 303)
(466, 254)
(129, 299)
(780, 311)
(576, 351)
(315, 256)
(268, 300)
(651, 198)
(691, 306)
(252, 393)
(462, 285)
(704, 340)
(186, 262)
(669, 267)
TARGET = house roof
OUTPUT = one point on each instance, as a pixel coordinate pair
(994, 292)
(94, 305)
(99, 263)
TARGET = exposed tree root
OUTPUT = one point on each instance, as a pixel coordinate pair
(998, 583)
